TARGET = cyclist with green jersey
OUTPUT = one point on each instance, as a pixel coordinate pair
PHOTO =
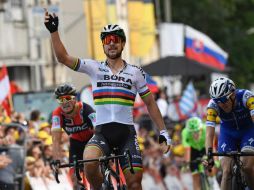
(193, 139)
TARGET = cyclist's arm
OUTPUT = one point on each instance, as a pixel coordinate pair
(210, 127)
(61, 53)
(187, 154)
(210, 132)
(148, 98)
(90, 115)
(56, 146)
(56, 132)
(154, 111)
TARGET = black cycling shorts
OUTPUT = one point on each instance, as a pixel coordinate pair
(120, 136)
(76, 148)
(195, 154)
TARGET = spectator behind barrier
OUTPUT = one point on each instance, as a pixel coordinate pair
(13, 160)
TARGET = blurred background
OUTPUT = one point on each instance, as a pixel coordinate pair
(182, 46)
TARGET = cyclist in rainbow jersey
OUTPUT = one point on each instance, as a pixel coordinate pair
(115, 84)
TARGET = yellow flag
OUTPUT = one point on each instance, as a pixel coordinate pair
(148, 28)
(96, 19)
(141, 26)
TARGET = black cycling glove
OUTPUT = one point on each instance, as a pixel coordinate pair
(52, 24)
(210, 159)
(54, 164)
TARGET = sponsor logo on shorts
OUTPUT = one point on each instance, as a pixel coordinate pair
(136, 143)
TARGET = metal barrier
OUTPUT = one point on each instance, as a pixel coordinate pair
(19, 176)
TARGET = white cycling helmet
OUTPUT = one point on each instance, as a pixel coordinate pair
(113, 29)
(221, 87)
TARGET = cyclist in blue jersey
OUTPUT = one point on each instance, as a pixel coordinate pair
(235, 108)
(115, 84)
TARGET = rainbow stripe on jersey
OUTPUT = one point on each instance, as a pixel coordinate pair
(113, 96)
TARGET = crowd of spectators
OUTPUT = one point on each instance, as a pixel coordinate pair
(160, 171)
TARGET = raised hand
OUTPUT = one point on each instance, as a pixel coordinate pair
(51, 21)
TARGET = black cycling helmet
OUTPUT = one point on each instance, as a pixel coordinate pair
(113, 29)
(65, 89)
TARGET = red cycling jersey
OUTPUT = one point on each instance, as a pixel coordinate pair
(79, 126)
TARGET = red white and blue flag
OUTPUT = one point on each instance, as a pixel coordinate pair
(199, 47)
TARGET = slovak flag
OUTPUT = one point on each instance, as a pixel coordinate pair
(4, 84)
(199, 47)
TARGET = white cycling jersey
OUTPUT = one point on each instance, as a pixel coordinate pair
(114, 94)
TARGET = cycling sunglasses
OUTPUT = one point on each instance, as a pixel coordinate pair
(223, 99)
(64, 99)
(111, 37)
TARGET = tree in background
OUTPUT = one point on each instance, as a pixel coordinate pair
(227, 23)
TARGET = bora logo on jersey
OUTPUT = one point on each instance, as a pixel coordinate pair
(117, 78)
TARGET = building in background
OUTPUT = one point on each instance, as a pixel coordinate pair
(25, 46)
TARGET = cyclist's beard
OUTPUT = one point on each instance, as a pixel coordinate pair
(68, 109)
(114, 56)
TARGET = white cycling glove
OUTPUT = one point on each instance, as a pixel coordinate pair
(164, 137)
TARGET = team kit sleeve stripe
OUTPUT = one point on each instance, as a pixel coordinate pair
(144, 94)
(76, 65)
(210, 123)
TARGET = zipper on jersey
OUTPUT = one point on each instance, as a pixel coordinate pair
(237, 126)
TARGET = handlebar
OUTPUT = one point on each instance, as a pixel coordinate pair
(55, 165)
(230, 154)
